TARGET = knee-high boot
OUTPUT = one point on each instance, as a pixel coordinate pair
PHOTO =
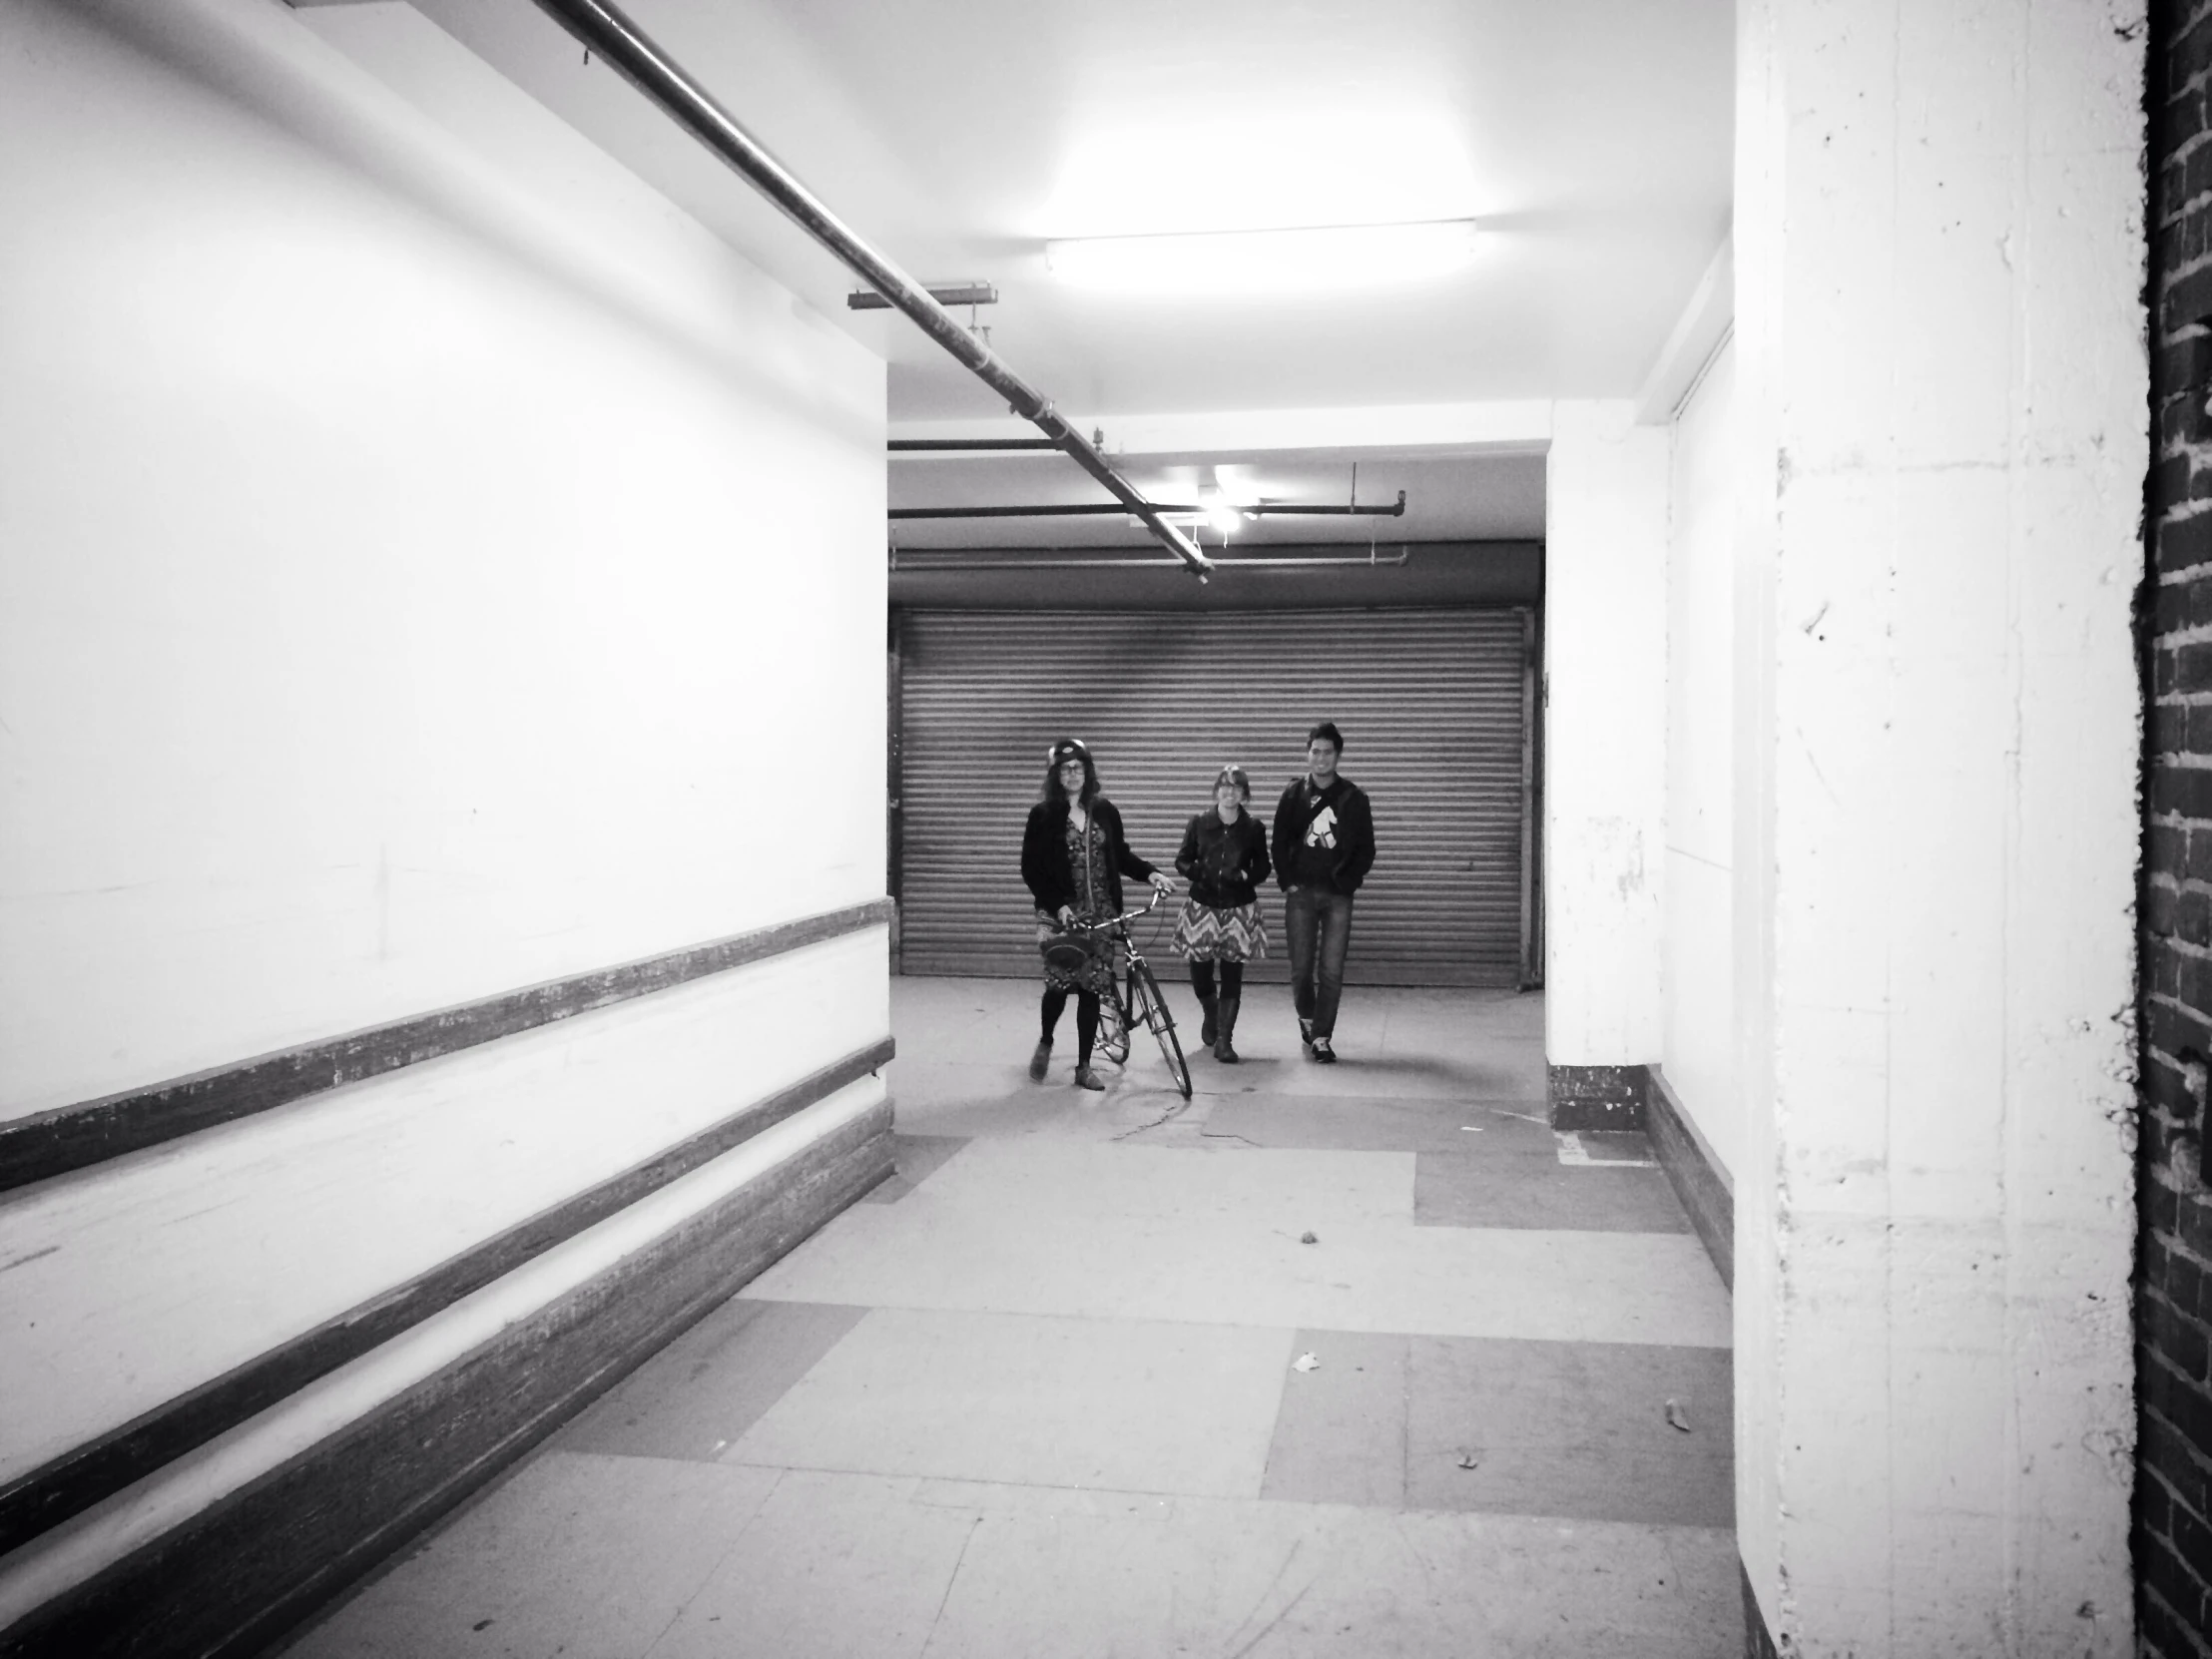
(1223, 1051)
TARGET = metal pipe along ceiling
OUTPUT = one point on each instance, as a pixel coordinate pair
(1099, 509)
(605, 30)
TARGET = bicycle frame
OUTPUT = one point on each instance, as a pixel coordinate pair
(1138, 998)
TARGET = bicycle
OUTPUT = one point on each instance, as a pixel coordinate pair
(1137, 1000)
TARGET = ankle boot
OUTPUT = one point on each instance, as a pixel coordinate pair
(1223, 1051)
(1210, 1026)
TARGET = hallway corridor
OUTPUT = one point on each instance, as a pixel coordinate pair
(1042, 1394)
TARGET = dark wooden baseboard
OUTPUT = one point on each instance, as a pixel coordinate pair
(252, 1567)
(48, 1496)
(1703, 1189)
(48, 1144)
(1598, 1097)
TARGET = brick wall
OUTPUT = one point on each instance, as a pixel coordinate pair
(2173, 1513)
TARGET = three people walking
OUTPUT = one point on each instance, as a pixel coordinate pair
(1074, 854)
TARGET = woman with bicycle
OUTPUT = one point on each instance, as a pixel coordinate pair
(1073, 857)
(1224, 859)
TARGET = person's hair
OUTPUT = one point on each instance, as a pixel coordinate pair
(1069, 748)
(1326, 729)
(1234, 775)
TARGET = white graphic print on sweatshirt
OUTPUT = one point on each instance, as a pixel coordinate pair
(1323, 831)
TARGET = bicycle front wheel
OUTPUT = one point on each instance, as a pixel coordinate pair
(1113, 1026)
(1146, 1003)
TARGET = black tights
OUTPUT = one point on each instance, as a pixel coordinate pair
(1232, 979)
(1086, 1019)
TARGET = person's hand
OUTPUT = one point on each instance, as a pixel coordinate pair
(1067, 914)
(1163, 883)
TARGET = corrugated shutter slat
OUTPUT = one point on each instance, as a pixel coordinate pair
(1431, 701)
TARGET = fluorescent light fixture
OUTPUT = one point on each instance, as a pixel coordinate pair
(1319, 258)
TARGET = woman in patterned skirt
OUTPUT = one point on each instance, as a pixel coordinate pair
(1073, 857)
(1224, 859)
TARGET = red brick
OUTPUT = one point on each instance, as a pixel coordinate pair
(2183, 789)
(2185, 543)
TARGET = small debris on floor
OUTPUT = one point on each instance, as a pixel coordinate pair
(1308, 1238)
(1467, 1460)
(1677, 1417)
(1306, 1362)
(1470, 1129)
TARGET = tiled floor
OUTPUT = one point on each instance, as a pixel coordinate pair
(1352, 1360)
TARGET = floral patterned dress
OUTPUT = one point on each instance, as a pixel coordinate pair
(1087, 857)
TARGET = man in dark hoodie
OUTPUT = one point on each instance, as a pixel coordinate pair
(1324, 846)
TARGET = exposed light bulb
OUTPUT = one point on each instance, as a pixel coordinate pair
(1220, 512)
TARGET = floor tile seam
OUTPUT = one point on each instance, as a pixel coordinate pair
(1577, 1232)
(1408, 1223)
(1396, 1101)
(936, 1620)
(985, 1511)
(1533, 1517)
(722, 1559)
(1160, 1492)
(1235, 1325)
(1014, 1313)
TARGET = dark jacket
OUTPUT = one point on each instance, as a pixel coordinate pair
(1353, 854)
(1224, 862)
(1044, 855)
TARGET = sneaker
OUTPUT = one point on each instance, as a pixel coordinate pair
(1306, 1032)
(1085, 1078)
(1323, 1054)
(1041, 1062)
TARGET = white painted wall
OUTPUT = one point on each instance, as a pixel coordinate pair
(1941, 394)
(1605, 734)
(1699, 1043)
(430, 563)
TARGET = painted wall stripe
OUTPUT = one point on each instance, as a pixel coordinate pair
(68, 1137)
(82, 1477)
(75, 1551)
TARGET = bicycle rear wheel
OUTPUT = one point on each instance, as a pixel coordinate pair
(1146, 1003)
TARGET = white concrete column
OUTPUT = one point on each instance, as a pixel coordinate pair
(1941, 400)
(1605, 734)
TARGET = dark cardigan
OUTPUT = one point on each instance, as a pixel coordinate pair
(1224, 862)
(1044, 855)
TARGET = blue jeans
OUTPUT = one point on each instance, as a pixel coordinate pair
(1318, 921)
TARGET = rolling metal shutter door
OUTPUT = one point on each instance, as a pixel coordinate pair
(1432, 704)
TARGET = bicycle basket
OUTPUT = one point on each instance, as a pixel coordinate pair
(1069, 952)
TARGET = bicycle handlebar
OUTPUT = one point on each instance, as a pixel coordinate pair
(1157, 893)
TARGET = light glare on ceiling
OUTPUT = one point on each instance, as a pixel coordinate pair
(1272, 261)
(1219, 513)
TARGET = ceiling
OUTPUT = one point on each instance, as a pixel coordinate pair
(1590, 138)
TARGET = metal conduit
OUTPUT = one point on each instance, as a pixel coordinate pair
(919, 562)
(603, 29)
(966, 446)
(1090, 510)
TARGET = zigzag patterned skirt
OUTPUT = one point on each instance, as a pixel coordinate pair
(1206, 934)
